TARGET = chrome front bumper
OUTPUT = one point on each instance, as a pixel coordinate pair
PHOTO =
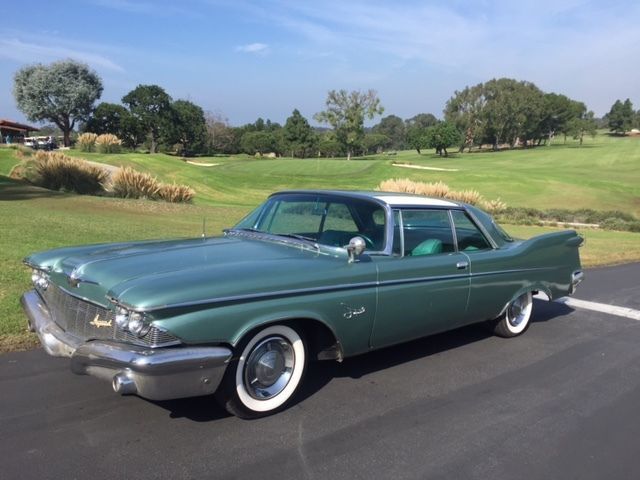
(156, 374)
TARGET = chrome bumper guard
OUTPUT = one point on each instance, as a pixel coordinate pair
(156, 374)
(576, 278)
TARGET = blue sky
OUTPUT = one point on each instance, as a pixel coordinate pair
(244, 59)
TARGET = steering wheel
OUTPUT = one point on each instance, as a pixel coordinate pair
(368, 242)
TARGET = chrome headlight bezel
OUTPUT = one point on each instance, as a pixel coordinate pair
(40, 279)
(132, 322)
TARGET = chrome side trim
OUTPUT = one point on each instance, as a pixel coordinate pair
(324, 289)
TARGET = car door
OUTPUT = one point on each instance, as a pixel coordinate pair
(424, 287)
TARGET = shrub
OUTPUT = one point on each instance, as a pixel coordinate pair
(176, 193)
(87, 142)
(108, 143)
(56, 171)
(129, 183)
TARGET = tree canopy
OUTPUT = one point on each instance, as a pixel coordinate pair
(299, 137)
(187, 127)
(442, 136)
(621, 117)
(346, 112)
(63, 93)
(150, 105)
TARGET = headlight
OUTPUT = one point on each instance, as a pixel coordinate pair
(122, 318)
(133, 322)
(137, 325)
(40, 279)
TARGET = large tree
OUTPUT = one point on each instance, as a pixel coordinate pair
(583, 125)
(392, 127)
(442, 136)
(299, 137)
(221, 137)
(621, 117)
(150, 105)
(416, 130)
(187, 127)
(63, 93)
(106, 118)
(258, 142)
(346, 112)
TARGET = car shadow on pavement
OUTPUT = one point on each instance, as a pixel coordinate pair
(206, 409)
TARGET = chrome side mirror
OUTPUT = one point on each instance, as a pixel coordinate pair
(355, 248)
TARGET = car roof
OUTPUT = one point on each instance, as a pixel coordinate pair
(393, 199)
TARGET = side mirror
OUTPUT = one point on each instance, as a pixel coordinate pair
(355, 248)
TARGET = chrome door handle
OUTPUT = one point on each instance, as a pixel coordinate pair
(462, 265)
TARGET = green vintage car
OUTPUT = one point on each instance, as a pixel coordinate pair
(307, 275)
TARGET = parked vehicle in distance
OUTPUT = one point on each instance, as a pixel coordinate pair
(307, 275)
(41, 143)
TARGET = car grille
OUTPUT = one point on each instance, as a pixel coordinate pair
(75, 315)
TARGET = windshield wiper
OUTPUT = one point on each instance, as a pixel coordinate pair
(296, 236)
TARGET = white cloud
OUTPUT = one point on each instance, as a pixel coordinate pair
(255, 48)
(26, 52)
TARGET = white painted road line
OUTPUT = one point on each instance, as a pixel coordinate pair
(601, 307)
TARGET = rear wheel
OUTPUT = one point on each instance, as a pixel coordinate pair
(266, 375)
(515, 320)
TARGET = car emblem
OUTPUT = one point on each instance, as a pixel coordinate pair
(96, 322)
(351, 312)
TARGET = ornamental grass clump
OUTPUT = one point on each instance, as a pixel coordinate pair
(176, 193)
(129, 183)
(472, 197)
(440, 189)
(56, 171)
(87, 142)
(108, 143)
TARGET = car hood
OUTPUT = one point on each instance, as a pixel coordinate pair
(154, 274)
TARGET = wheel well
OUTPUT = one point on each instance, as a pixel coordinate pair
(321, 341)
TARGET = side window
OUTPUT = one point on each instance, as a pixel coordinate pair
(469, 237)
(426, 232)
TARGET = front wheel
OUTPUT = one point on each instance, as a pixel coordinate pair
(515, 320)
(267, 373)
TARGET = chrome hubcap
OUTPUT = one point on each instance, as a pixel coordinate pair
(269, 367)
(517, 311)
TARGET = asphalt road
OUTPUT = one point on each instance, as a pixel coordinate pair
(561, 401)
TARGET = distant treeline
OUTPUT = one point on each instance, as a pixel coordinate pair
(499, 113)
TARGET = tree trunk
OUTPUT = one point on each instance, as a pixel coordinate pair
(154, 144)
(348, 154)
(67, 137)
(446, 154)
(418, 150)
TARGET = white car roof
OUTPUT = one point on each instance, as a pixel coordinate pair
(408, 200)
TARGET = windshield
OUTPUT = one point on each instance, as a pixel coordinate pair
(325, 219)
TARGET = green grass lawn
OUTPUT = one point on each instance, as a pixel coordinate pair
(604, 174)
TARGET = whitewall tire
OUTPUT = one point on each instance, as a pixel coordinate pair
(267, 373)
(515, 320)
